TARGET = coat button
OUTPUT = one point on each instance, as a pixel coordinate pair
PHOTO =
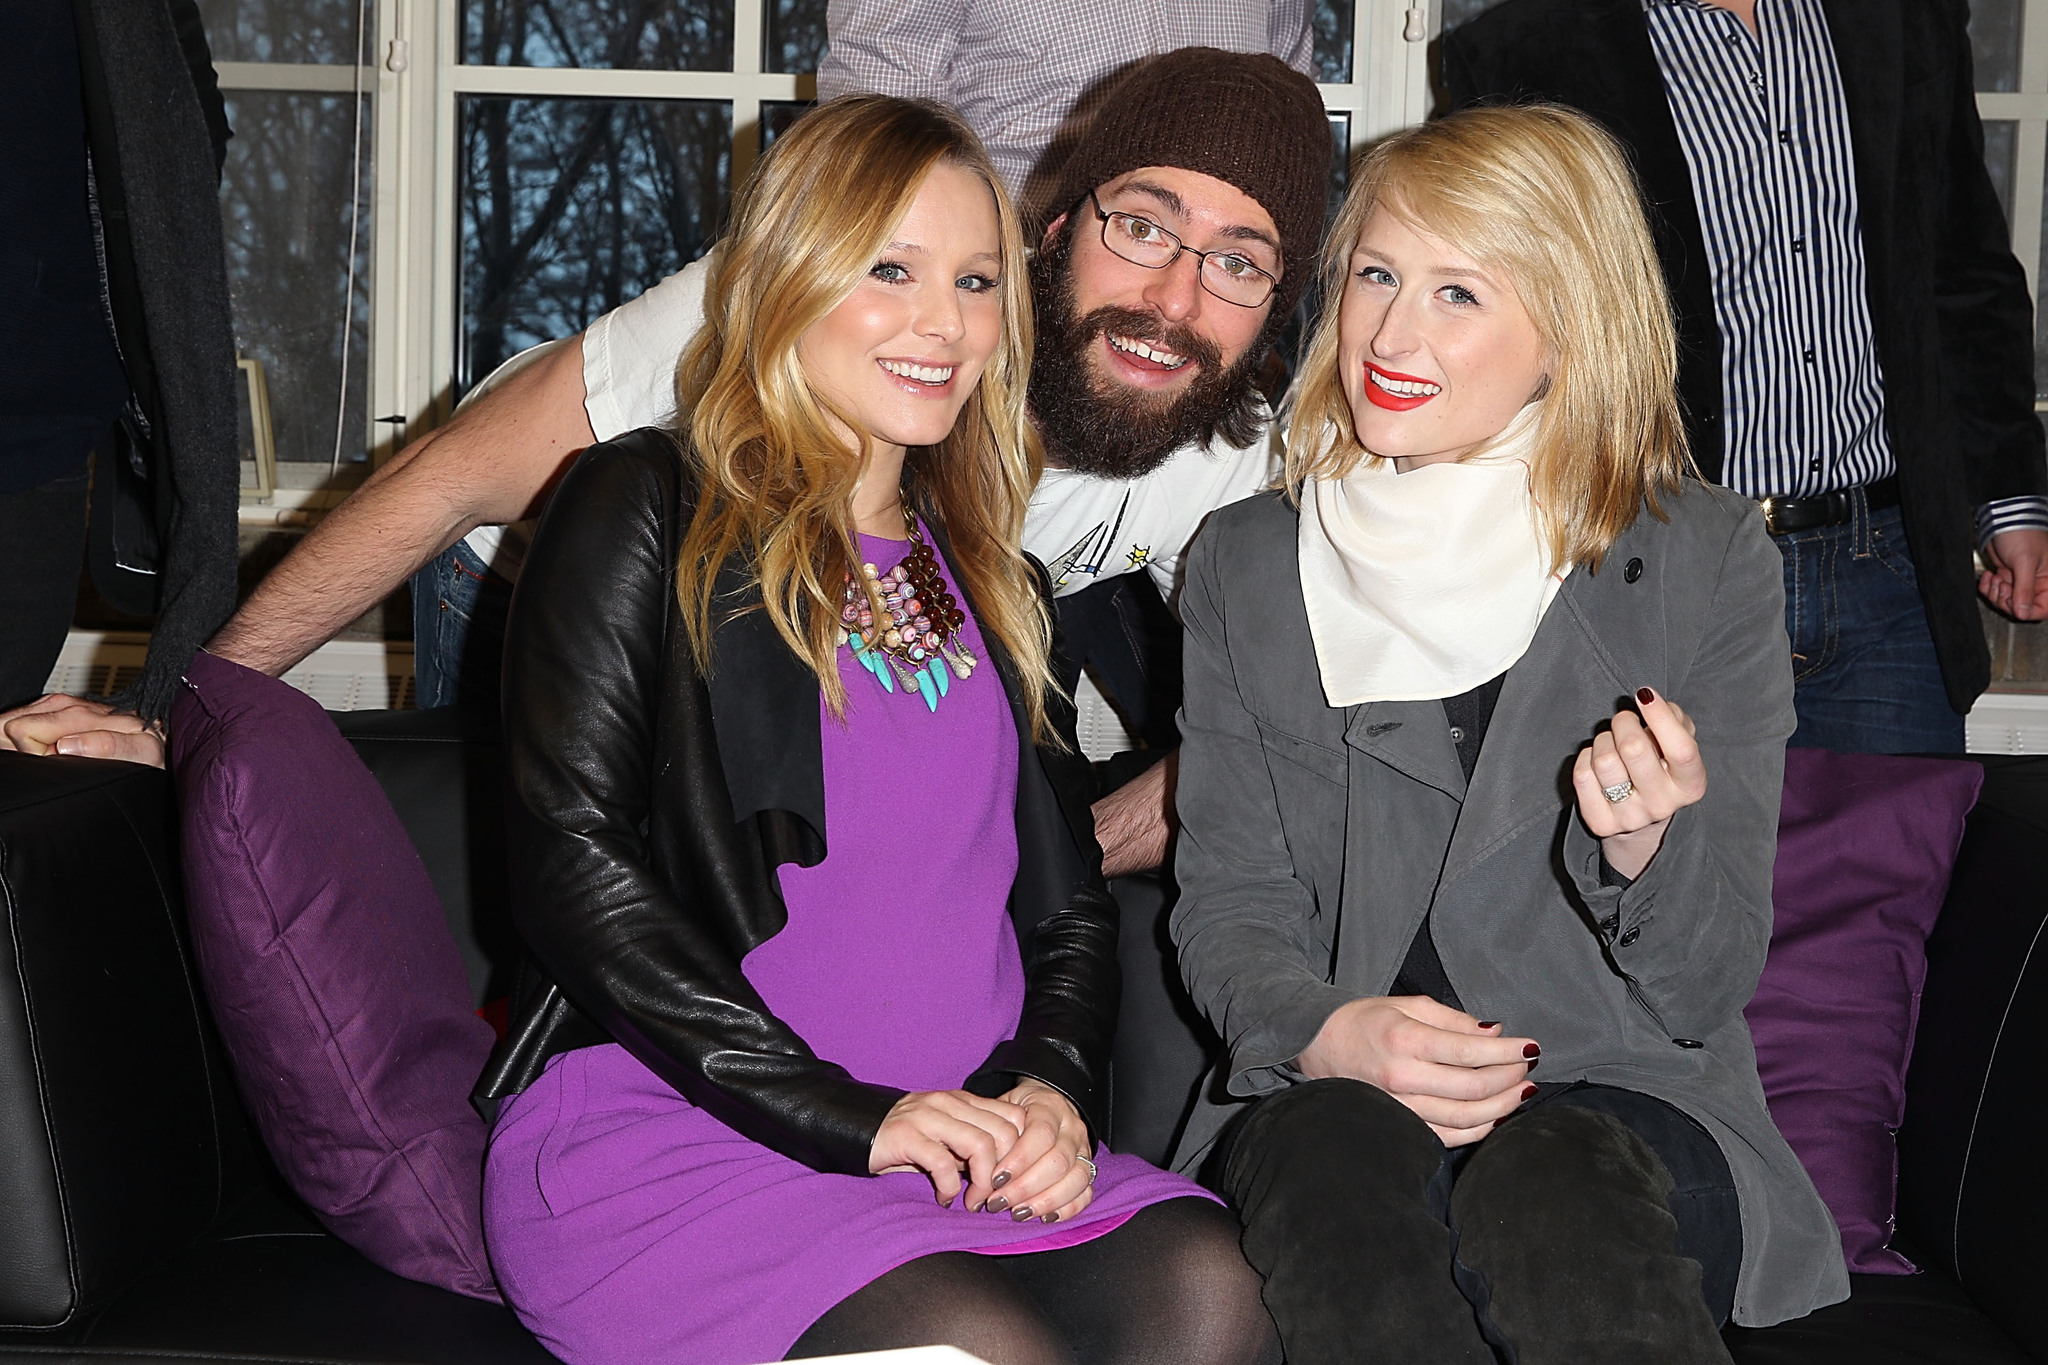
(1630, 937)
(1689, 1043)
(1633, 571)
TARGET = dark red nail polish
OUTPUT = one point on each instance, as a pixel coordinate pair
(1528, 1092)
(1531, 1050)
(1489, 1023)
(1645, 695)
(1533, 1064)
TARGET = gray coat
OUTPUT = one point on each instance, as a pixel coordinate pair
(1314, 839)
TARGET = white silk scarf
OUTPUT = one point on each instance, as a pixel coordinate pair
(1425, 584)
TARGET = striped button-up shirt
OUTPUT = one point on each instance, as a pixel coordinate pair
(1765, 130)
(1020, 73)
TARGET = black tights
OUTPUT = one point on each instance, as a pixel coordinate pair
(1169, 1287)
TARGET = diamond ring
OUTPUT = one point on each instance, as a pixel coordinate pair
(1619, 792)
(1090, 1165)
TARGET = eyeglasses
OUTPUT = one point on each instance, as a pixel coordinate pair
(1225, 274)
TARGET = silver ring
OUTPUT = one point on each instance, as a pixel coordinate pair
(1090, 1165)
(1619, 792)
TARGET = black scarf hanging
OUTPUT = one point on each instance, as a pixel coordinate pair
(166, 487)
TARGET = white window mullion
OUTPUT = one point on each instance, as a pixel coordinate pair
(749, 34)
(2034, 48)
(289, 76)
(1391, 69)
(443, 259)
(412, 172)
(2030, 150)
(2031, 142)
(392, 159)
(579, 82)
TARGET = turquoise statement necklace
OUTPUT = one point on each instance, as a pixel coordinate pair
(904, 627)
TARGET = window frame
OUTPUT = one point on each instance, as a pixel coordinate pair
(2027, 109)
(416, 81)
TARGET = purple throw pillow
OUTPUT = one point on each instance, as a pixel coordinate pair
(338, 989)
(1865, 847)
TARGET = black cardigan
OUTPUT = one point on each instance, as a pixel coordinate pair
(649, 808)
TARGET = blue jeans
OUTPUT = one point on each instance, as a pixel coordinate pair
(458, 630)
(1865, 675)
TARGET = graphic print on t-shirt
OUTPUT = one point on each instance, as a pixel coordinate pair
(1086, 555)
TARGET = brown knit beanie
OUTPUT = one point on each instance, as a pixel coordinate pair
(1247, 119)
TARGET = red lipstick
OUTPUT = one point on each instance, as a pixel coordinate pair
(1396, 402)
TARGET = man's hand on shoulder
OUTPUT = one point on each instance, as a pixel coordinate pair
(2017, 580)
(78, 726)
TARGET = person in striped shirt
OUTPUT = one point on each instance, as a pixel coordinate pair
(1857, 338)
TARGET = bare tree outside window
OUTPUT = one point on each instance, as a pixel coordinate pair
(796, 36)
(321, 31)
(1334, 26)
(642, 35)
(572, 207)
(285, 217)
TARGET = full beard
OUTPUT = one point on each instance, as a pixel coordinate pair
(1098, 426)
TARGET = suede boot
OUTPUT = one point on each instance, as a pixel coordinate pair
(1334, 1183)
(1562, 1213)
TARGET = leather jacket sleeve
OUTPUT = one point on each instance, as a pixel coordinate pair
(644, 939)
(1069, 1021)
(1072, 979)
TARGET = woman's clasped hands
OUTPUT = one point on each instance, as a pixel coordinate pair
(1458, 1074)
(1025, 1154)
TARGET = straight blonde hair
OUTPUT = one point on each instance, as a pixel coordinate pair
(1544, 196)
(775, 483)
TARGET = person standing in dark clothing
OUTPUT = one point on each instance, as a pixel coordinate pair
(117, 361)
(61, 385)
(1856, 337)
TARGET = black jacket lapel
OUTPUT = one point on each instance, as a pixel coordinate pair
(1872, 66)
(764, 704)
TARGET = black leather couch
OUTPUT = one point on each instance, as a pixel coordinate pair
(140, 1221)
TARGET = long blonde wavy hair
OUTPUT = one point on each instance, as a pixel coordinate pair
(775, 483)
(1543, 195)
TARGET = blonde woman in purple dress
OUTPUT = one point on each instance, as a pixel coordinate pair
(812, 1056)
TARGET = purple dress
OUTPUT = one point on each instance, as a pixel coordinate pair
(626, 1225)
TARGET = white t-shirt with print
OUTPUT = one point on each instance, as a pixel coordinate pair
(1084, 527)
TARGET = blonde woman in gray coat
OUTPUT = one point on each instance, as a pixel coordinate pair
(1484, 735)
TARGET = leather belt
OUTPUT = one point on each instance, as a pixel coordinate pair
(1783, 516)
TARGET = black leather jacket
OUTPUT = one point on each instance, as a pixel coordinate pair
(649, 807)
